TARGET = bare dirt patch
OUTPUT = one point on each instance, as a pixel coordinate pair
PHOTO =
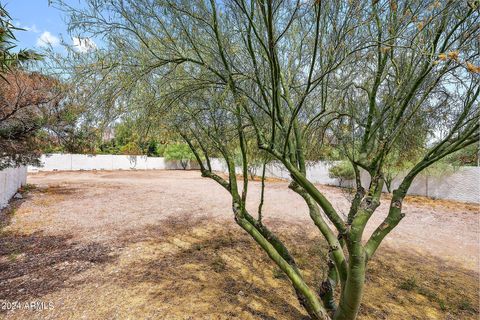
(163, 245)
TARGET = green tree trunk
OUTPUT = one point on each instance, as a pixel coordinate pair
(352, 295)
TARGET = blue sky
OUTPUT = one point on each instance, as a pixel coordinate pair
(45, 24)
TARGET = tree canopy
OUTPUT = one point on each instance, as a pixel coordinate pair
(381, 81)
(26, 99)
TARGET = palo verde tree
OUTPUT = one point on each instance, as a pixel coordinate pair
(377, 76)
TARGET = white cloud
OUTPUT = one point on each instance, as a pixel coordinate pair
(83, 45)
(46, 39)
(32, 28)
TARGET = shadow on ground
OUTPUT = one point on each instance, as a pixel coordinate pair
(220, 270)
(34, 265)
(202, 268)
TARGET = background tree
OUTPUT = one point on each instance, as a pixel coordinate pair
(179, 152)
(26, 102)
(26, 99)
(342, 171)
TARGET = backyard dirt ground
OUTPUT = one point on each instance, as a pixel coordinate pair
(163, 245)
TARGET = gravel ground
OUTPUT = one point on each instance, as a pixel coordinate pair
(159, 244)
(108, 203)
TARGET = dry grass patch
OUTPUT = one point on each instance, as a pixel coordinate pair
(188, 268)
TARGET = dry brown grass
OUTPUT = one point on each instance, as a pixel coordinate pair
(197, 268)
(440, 203)
(156, 245)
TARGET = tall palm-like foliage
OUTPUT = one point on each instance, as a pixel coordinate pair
(8, 58)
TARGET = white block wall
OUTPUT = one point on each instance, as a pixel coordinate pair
(69, 162)
(87, 162)
(11, 179)
(317, 172)
(462, 184)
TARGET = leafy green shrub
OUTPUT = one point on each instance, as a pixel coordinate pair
(342, 171)
(179, 152)
(130, 148)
